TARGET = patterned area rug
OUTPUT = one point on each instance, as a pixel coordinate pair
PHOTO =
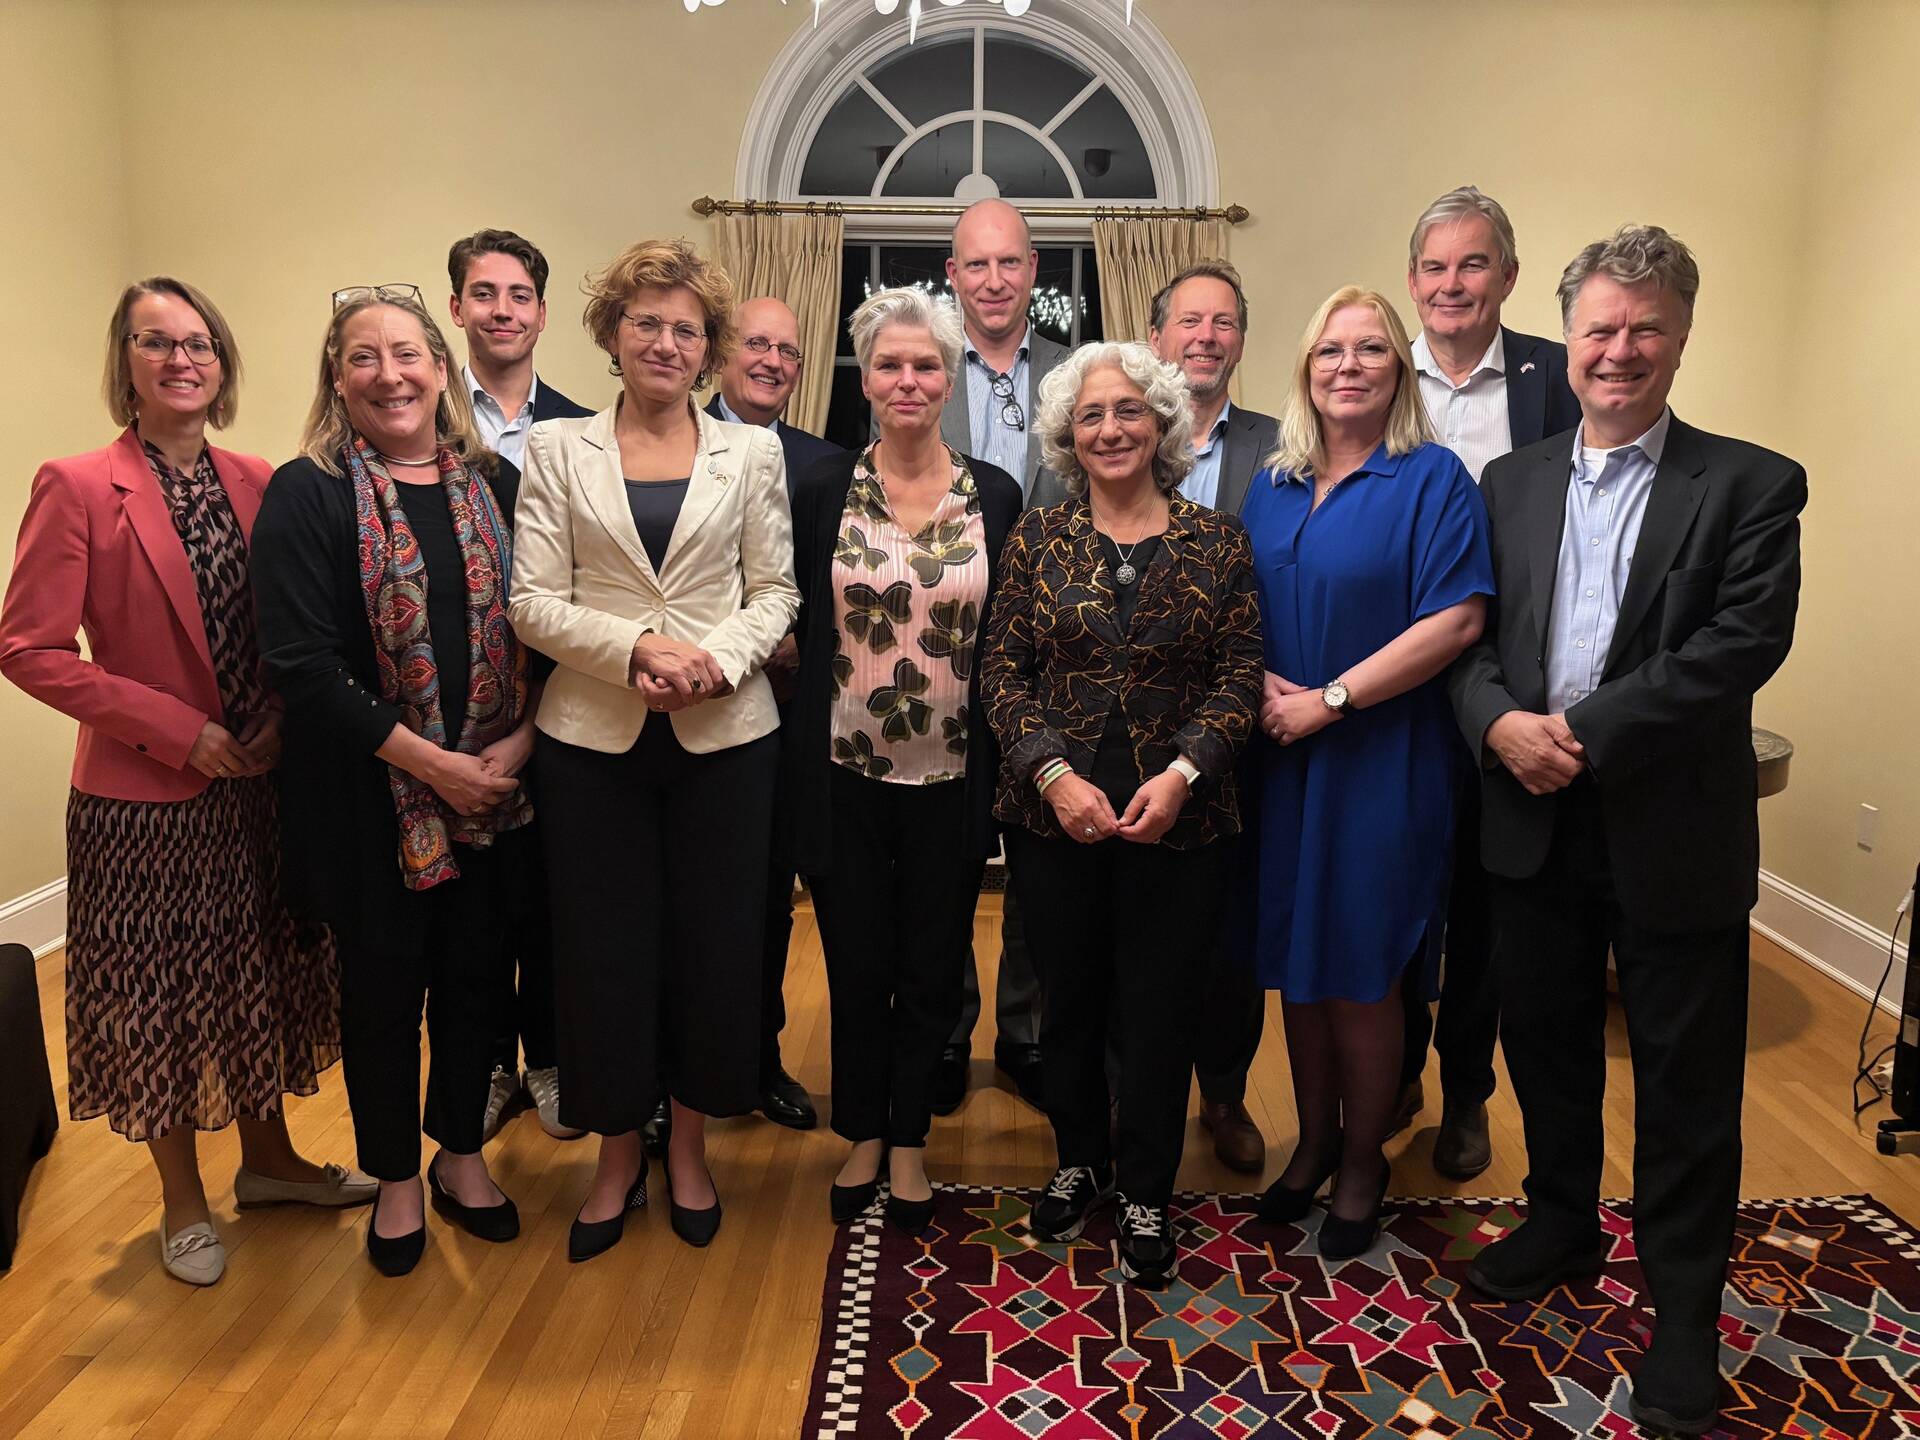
(979, 1331)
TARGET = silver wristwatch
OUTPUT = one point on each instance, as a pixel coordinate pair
(1335, 697)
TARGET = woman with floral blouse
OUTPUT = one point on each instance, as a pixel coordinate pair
(890, 762)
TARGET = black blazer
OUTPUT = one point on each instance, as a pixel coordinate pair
(806, 831)
(1539, 400)
(1250, 438)
(550, 404)
(339, 834)
(1706, 618)
(802, 449)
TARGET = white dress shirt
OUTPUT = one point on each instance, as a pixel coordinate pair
(506, 438)
(1470, 418)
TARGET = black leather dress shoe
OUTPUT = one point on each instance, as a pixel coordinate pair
(696, 1227)
(784, 1100)
(394, 1254)
(1676, 1390)
(950, 1079)
(657, 1131)
(1021, 1064)
(484, 1222)
(589, 1238)
(1463, 1148)
(1531, 1260)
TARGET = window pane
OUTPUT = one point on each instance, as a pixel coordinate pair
(1092, 326)
(1105, 148)
(1051, 310)
(922, 265)
(855, 261)
(936, 163)
(930, 79)
(1023, 167)
(854, 139)
(848, 414)
(1028, 80)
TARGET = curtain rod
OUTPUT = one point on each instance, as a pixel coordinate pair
(707, 205)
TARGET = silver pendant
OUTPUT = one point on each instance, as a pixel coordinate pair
(1125, 573)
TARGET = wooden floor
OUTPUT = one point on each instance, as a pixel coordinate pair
(303, 1338)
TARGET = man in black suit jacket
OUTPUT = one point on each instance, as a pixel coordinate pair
(1198, 321)
(754, 388)
(1648, 577)
(1488, 390)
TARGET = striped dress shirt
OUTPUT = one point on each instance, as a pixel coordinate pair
(1470, 418)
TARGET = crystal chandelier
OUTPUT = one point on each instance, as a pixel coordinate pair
(1014, 9)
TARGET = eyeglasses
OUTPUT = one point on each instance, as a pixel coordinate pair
(1010, 411)
(391, 294)
(1127, 412)
(1367, 354)
(647, 329)
(158, 348)
(760, 345)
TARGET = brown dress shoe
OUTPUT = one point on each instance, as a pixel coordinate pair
(1236, 1139)
(1463, 1148)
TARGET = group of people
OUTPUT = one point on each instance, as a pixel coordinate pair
(1436, 683)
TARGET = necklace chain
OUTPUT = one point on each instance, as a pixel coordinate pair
(394, 460)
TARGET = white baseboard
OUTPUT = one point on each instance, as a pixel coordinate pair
(37, 919)
(1841, 946)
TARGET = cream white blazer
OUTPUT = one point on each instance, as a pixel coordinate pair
(583, 589)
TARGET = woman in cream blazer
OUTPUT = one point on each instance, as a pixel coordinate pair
(653, 563)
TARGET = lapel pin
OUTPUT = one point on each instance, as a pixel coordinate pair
(1526, 367)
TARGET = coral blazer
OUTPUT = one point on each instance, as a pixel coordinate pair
(98, 553)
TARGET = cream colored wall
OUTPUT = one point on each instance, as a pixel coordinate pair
(353, 140)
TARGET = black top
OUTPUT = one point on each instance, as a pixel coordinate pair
(656, 505)
(432, 522)
(1115, 770)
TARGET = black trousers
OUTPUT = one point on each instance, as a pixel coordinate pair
(525, 1020)
(1685, 998)
(1235, 1010)
(1016, 994)
(776, 937)
(894, 919)
(1122, 937)
(1469, 1005)
(455, 971)
(657, 863)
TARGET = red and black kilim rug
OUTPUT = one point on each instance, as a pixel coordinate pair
(979, 1331)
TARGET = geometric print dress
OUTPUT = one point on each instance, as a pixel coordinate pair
(193, 997)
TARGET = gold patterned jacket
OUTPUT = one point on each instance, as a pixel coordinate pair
(1187, 670)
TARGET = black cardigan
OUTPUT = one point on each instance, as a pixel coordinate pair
(339, 835)
(819, 500)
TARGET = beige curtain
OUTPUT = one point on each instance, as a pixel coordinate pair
(1137, 257)
(795, 258)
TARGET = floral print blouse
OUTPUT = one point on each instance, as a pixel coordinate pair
(906, 612)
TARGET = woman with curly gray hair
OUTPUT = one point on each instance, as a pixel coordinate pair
(1121, 674)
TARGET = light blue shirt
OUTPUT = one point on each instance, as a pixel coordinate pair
(995, 440)
(506, 438)
(1202, 485)
(1607, 497)
(726, 413)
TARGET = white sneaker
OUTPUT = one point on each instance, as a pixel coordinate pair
(502, 1091)
(340, 1186)
(195, 1255)
(544, 1086)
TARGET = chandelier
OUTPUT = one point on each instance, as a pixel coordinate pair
(1014, 9)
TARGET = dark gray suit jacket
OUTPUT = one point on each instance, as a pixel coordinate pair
(1042, 355)
(1251, 437)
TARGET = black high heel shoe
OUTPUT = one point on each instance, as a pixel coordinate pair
(393, 1254)
(497, 1223)
(696, 1227)
(588, 1238)
(1344, 1239)
(1288, 1205)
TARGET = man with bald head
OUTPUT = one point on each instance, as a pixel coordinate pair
(990, 416)
(755, 386)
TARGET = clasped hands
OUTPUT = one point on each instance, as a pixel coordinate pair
(674, 674)
(1085, 815)
(1539, 750)
(1290, 712)
(219, 754)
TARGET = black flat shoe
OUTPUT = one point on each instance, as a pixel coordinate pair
(1287, 1204)
(910, 1217)
(1344, 1239)
(496, 1223)
(588, 1238)
(850, 1202)
(394, 1254)
(696, 1227)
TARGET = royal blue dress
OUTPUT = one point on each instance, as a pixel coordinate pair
(1355, 823)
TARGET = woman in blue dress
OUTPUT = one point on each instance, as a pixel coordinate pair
(1370, 548)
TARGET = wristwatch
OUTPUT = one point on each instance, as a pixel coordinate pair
(1334, 696)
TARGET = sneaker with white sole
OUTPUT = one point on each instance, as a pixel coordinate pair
(1148, 1256)
(338, 1186)
(195, 1255)
(1069, 1200)
(502, 1090)
(544, 1086)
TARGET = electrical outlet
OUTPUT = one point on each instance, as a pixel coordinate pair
(1866, 827)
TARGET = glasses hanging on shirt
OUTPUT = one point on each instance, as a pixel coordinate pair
(1010, 412)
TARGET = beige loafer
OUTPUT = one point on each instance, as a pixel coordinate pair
(195, 1255)
(341, 1187)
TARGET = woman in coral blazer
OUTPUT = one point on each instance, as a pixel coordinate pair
(193, 1000)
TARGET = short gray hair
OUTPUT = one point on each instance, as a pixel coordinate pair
(1458, 205)
(914, 308)
(1164, 387)
(1632, 255)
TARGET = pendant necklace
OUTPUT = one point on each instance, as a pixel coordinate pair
(1126, 573)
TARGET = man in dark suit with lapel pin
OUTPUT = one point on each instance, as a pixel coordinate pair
(499, 301)
(990, 416)
(1648, 578)
(754, 388)
(1488, 390)
(1198, 321)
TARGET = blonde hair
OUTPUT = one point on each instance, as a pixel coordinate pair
(1162, 386)
(1301, 450)
(663, 265)
(116, 387)
(328, 430)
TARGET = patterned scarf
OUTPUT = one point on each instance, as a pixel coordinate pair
(393, 577)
